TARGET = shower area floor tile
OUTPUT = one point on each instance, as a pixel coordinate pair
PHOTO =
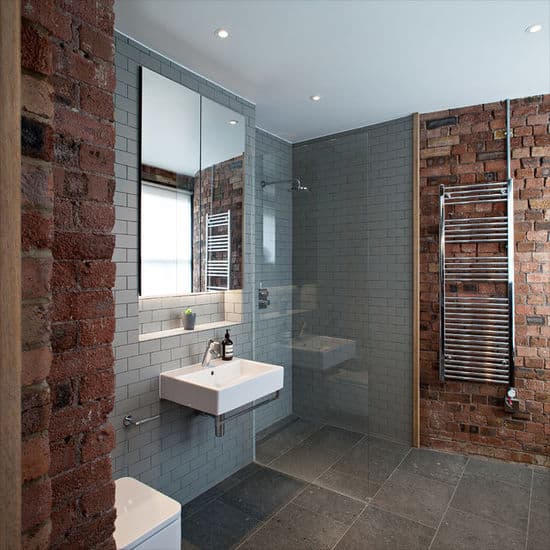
(319, 487)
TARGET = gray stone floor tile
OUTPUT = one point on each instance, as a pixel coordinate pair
(489, 498)
(278, 442)
(295, 528)
(435, 465)
(333, 439)
(329, 504)
(540, 500)
(305, 462)
(216, 526)
(263, 493)
(378, 529)
(350, 485)
(415, 497)
(373, 460)
(538, 537)
(509, 472)
(463, 531)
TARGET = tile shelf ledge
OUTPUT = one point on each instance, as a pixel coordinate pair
(180, 330)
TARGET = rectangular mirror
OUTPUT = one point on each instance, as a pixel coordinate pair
(192, 190)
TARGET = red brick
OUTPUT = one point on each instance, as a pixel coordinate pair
(64, 215)
(97, 159)
(82, 305)
(98, 274)
(36, 230)
(37, 538)
(35, 365)
(36, 51)
(97, 217)
(64, 335)
(36, 139)
(35, 324)
(96, 43)
(98, 530)
(66, 91)
(99, 500)
(37, 498)
(100, 188)
(80, 361)
(36, 186)
(83, 127)
(94, 72)
(80, 246)
(70, 421)
(97, 331)
(63, 455)
(98, 443)
(97, 102)
(35, 457)
(36, 273)
(65, 517)
(64, 275)
(36, 96)
(44, 13)
(68, 485)
(97, 385)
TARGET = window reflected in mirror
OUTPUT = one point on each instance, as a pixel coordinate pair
(192, 191)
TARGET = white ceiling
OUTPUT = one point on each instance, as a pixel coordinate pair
(370, 61)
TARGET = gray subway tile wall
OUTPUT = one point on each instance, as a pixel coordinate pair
(352, 270)
(273, 325)
(177, 454)
(389, 278)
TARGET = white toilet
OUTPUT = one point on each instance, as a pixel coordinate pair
(146, 519)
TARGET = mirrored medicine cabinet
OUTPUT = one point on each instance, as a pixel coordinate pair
(191, 191)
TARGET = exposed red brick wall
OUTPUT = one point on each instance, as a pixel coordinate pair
(68, 309)
(461, 148)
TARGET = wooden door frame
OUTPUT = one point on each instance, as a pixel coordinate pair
(10, 274)
(416, 280)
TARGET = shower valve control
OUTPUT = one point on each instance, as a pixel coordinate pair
(511, 401)
(263, 298)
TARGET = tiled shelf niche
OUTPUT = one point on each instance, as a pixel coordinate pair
(160, 316)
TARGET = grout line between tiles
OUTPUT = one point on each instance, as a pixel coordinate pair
(529, 511)
(307, 484)
(371, 500)
(275, 513)
(448, 504)
(293, 447)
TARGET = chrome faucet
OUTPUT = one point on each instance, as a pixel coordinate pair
(212, 352)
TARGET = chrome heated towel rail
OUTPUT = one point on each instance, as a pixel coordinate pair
(477, 325)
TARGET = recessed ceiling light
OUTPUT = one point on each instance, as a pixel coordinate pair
(534, 28)
(233, 122)
(221, 33)
(315, 98)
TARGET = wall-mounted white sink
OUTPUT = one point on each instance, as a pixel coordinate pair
(223, 386)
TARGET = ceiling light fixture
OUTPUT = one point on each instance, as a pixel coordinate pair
(233, 122)
(221, 33)
(537, 27)
(315, 98)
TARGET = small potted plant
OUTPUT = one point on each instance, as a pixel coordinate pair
(189, 319)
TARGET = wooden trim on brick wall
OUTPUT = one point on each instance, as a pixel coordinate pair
(416, 281)
(10, 276)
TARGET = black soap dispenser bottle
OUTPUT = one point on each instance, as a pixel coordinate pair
(227, 347)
